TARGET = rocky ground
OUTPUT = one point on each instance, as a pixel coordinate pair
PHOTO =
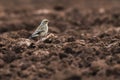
(85, 45)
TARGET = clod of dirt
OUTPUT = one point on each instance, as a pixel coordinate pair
(71, 39)
(9, 56)
(51, 38)
(74, 77)
(23, 41)
(67, 75)
(43, 11)
(101, 10)
(59, 8)
(32, 45)
(99, 64)
(114, 70)
(1, 63)
(1, 44)
(41, 53)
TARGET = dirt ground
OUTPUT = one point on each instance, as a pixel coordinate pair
(86, 45)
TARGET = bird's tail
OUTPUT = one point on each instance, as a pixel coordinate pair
(33, 36)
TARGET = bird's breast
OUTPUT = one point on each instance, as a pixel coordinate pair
(45, 31)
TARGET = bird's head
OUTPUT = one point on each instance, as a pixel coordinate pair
(44, 21)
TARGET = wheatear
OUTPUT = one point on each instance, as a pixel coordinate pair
(41, 30)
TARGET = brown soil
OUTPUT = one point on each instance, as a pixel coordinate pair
(86, 45)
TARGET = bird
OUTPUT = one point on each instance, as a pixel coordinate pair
(41, 30)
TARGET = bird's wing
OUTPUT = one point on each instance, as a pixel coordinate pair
(37, 31)
(35, 34)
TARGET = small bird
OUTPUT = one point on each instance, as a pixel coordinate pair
(41, 30)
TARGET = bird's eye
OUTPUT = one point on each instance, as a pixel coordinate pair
(46, 21)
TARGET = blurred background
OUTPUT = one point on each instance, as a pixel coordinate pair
(30, 12)
(39, 4)
(25, 14)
